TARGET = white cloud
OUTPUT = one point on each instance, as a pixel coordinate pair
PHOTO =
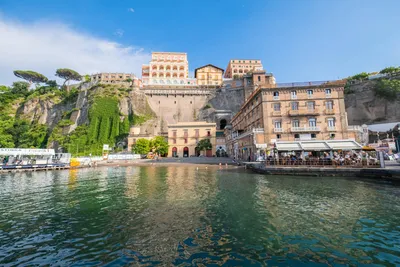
(119, 32)
(131, 10)
(46, 46)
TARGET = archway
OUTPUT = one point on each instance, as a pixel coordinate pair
(222, 124)
(185, 152)
(174, 152)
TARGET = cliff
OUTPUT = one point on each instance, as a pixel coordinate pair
(77, 120)
(364, 107)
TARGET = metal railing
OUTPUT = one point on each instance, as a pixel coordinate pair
(331, 128)
(329, 111)
(276, 97)
(306, 129)
(316, 162)
(278, 130)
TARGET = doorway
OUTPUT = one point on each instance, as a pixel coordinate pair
(174, 152)
(185, 152)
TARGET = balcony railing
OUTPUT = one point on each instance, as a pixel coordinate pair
(276, 97)
(310, 96)
(293, 96)
(276, 113)
(306, 129)
(328, 95)
(303, 112)
(278, 130)
(331, 128)
(329, 111)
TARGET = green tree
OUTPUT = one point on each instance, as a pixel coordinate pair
(390, 70)
(387, 89)
(204, 144)
(20, 88)
(30, 76)
(130, 81)
(87, 78)
(142, 146)
(68, 75)
(51, 83)
(159, 145)
(360, 76)
(4, 89)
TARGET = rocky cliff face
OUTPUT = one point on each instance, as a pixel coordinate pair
(363, 107)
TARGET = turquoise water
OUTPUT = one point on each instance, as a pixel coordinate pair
(163, 216)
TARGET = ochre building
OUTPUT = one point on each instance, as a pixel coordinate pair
(184, 136)
(209, 75)
(290, 113)
(238, 67)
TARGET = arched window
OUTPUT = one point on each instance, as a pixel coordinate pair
(181, 68)
(168, 67)
(161, 74)
(182, 82)
(175, 82)
(235, 71)
(181, 75)
(240, 71)
(276, 95)
(168, 75)
(174, 75)
(154, 67)
(222, 124)
(174, 68)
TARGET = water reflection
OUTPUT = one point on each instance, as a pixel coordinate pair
(186, 217)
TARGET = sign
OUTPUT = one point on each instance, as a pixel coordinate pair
(106, 147)
(262, 146)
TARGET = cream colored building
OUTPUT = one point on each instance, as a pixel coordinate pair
(166, 68)
(239, 67)
(115, 77)
(291, 113)
(184, 136)
(209, 75)
(135, 134)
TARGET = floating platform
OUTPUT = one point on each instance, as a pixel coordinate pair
(33, 167)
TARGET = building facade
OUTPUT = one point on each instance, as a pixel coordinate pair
(295, 113)
(239, 67)
(209, 75)
(115, 77)
(184, 136)
(166, 68)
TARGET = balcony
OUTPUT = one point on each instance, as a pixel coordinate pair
(329, 111)
(276, 113)
(328, 95)
(305, 129)
(310, 96)
(331, 128)
(278, 130)
(293, 97)
(276, 97)
(303, 112)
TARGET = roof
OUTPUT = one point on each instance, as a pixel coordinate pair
(208, 65)
(318, 145)
(382, 127)
(192, 124)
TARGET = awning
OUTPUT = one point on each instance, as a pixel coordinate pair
(317, 145)
(26, 152)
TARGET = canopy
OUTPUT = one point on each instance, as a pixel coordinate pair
(368, 148)
(317, 145)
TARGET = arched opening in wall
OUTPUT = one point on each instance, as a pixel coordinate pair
(240, 71)
(161, 67)
(154, 74)
(185, 152)
(154, 67)
(161, 75)
(174, 68)
(175, 75)
(181, 68)
(168, 67)
(235, 71)
(168, 75)
(222, 124)
(174, 152)
(246, 71)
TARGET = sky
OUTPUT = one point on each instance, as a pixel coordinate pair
(296, 40)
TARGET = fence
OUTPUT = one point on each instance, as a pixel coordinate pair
(316, 162)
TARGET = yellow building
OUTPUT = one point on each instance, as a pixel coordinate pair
(296, 112)
(115, 77)
(209, 75)
(184, 136)
(239, 67)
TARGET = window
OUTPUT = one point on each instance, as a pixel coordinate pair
(259, 78)
(186, 140)
(295, 123)
(295, 105)
(329, 105)
(278, 124)
(196, 132)
(276, 95)
(174, 102)
(332, 136)
(296, 136)
(331, 122)
(328, 91)
(310, 106)
(312, 122)
(310, 93)
(208, 133)
(190, 102)
(277, 106)
(278, 136)
(174, 133)
(174, 141)
(313, 136)
(293, 95)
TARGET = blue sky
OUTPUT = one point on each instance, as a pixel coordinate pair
(297, 40)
